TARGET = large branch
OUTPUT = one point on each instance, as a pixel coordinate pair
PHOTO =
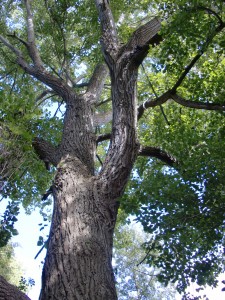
(197, 104)
(157, 153)
(110, 41)
(123, 63)
(137, 47)
(32, 48)
(203, 49)
(153, 102)
(169, 95)
(96, 83)
(55, 83)
(10, 292)
(46, 152)
(103, 137)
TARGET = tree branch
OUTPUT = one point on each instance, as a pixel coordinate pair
(110, 41)
(152, 103)
(43, 94)
(197, 105)
(197, 57)
(140, 40)
(157, 153)
(32, 48)
(20, 59)
(57, 84)
(10, 292)
(103, 137)
(186, 71)
(46, 152)
(96, 83)
(211, 12)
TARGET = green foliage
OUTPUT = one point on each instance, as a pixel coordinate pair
(181, 207)
(135, 280)
(9, 267)
(25, 284)
(7, 222)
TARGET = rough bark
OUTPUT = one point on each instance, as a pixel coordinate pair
(10, 292)
(78, 261)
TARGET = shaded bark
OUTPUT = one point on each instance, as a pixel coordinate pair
(78, 261)
(158, 153)
(10, 292)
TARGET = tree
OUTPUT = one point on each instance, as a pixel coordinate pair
(135, 279)
(42, 45)
(9, 267)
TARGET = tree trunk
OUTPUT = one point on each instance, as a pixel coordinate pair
(78, 262)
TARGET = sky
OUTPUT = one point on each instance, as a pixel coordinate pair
(27, 248)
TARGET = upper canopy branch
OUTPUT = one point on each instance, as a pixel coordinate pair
(197, 104)
(57, 84)
(46, 152)
(157, 153)
(211, 12)
(110, 40)
(96, 83)
(198, 56)
(153, 102)
(169, 95)
(32, 48)
(140, 40)
(19, 55)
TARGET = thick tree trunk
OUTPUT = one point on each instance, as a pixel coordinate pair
(78, 262)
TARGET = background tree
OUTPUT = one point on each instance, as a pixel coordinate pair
(48, 54)
(135, 279)
(9, 267)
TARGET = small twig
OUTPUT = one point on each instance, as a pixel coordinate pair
(47, 193)
(103, 137)
(99, 159)
(153, 89)
(39, 252)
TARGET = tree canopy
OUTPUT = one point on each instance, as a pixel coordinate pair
(176, 190)
(135, 279)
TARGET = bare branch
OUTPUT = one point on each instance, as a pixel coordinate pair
(33, 52)
(103, 102)
(110, 41)
(152, 103)
(197, 104)
(43, 94)
(46, 152)
(19, 39)
(137, 47)
(81, 85)
(197, 57)
(20, 59)
(103, 137)
(96, 83)
(186, 71)
(157, 153)
(211, 12)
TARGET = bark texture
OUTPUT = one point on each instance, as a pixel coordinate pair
(10, 292)
(78, 262)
